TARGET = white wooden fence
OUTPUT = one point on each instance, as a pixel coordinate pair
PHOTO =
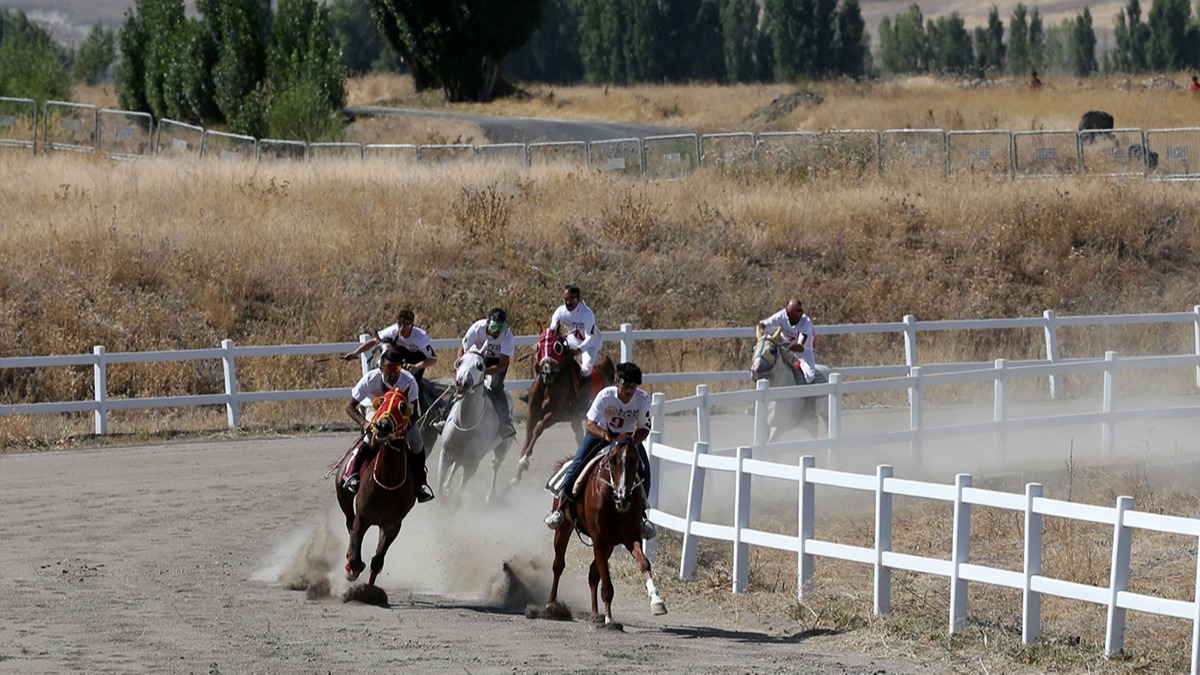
(956, 566)
(233, 398)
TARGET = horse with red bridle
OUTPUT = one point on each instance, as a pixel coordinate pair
(388, 489)
(558, 391)
(609, 510)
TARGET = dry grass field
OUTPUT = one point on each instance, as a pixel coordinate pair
(177, 255)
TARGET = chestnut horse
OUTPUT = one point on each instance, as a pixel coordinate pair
(387, 491)
(559, 392)
(609, 511)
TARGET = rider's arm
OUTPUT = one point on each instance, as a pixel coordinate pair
(349, 356)
(355, 413)
(599, 432)
(500, 367)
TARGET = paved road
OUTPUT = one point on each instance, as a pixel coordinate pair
(530, 129)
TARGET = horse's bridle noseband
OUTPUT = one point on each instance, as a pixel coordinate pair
(622, 503)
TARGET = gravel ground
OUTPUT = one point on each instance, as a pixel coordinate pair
(180, 558)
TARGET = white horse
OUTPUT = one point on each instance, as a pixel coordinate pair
(783, 415)
(472, 427)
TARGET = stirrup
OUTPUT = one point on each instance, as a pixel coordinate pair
(648, 530)
(554, 519)
(424, 494)
(524, 396)
(438, 425)
(351, 484)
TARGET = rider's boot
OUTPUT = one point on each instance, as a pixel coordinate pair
(421, 474)
(507, 430)
(356, 464)
(555, 517)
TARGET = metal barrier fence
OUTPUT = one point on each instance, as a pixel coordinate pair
(1156, 153)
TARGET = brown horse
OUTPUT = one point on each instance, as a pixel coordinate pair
(387, 491)
(559, 392)
(609, 511)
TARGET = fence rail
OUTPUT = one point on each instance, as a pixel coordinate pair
(1156, 153)
(740, 463)
(913, 373)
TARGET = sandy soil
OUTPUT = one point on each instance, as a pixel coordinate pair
(179, 558)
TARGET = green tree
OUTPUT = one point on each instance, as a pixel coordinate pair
(363, 48)
(989, 44)
(950, 45)
(803, 33)
(1020, 60)
(852, 43)
(1037, 37)
(1083, 44)
(131, 71)
(305, 72)
(458, 45)
(553, 51)
(95, 56)
(1168, 47)
(240, 29)
(739, 39)
(31, 64)
(1132, 37)
(912, 45)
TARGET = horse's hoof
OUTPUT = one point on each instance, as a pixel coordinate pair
(658, 608)
(351, 575)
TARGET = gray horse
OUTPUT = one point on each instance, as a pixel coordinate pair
(789, 413)
(472, 428)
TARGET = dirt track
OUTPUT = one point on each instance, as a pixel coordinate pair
(175, 558)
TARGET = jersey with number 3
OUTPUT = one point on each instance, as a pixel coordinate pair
(609, 412)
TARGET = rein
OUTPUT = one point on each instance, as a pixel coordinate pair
(378, 459)
(482, 410)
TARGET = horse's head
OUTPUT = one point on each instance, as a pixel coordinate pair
(551, 351)
(767, 350)
(620, 473)
(393, 414)
(468, 372)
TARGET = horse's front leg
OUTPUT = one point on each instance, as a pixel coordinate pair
(535, 425)
(386, 537)
(657, 606)
(600, 569)
(498, 455)
(354, 561)
(562, 537)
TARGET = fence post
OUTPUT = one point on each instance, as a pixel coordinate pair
(1108, 428)
(626, 342)
(916, 416)
(1000, 412)
(231, 388)
(806, 518)
(960, 554)
(1031, 601)
(364, 359)
(1196, 620)
(1114, 635)
(658, 420)
(1052, 352)
(760, 413)
(703, 431)
(883, 541)
(741, 520)
(835, 419)
(695, 507)
(910, 340)
(1196, 329)
(100, 389)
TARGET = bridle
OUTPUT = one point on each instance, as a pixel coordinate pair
(622, 494)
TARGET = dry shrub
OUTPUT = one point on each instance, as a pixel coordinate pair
(482, 214)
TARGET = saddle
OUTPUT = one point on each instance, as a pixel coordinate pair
(556, 481)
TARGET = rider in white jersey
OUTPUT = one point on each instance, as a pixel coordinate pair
(492, 339)
(389, 375)
(578, 323)
(797, 336)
